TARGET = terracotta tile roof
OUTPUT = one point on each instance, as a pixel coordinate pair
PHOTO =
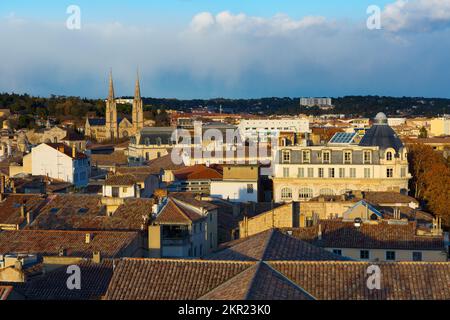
(86, 212)
(112, 159)
(339, 234)
(166, 279)
(10, 207)
(121, 180)
(348, 280)
(174, 212)
(271, 245)
(388, 197)
(52, 285)
(199, 172)
(67, 150)
(259, 282)
(192, 199)
(49, 242)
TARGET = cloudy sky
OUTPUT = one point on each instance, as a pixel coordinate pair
(226, 48)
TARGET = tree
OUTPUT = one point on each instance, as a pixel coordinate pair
(423, 134)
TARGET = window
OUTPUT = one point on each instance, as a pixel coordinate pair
(331, 172)
(301, 173)
(390, 255)
(286, 194)
(306, 156)
(305, 194)
(364, 254)
(337, 251)
(389, 173)
(115, 191)
(347, 157)
(124, 189)
(352, 172)
(403, 172)
(249, 188)
(210, 240)
(366, 172)
(326, 157)
(310, 172)
(286, 156)
(285, 172)
(320, 172)
(341, 172)
(326, 192)
(367, 157)
(417, 256)
(389, 156)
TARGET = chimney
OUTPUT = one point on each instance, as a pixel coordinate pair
(88, 238)
(96, 257)
(74, 152)
(319, 232)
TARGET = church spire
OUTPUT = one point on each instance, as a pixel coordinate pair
(137, 88)
(111, 87)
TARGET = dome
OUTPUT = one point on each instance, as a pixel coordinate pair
(380, 118)
(381, 135)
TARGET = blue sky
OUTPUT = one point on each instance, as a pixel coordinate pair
(226, 48)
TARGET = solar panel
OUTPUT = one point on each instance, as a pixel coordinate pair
(342, 137)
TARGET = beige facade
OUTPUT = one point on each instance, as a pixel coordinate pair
(379, 255)
(440, 127)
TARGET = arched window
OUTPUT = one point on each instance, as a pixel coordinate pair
(389, 156)
(305, 194)
(286, 193)
(147, 141)
(326, 192)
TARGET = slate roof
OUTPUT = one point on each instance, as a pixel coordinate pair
(97, 121)
(49, 242)
(382, 136)
(271, 245)
(383, 235)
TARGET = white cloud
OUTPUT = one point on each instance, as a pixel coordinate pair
(416, 15)
(241, 23)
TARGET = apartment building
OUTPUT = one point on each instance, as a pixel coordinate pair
(377, 162)
(262, 129)
(59, 161)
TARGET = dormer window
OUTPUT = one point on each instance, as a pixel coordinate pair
(347, 157)
(286, 156)
(367, 157)
(389, 156)
(306, 156)
(326, 158)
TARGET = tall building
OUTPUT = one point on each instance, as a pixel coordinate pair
(377, 162)
(112, 127)
(313, 102)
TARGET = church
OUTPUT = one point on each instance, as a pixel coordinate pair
(112, 127)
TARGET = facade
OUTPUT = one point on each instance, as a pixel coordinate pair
(312, 102)
(150, 143)
(111, 127)
(378, 162)
(183, 229)
(58, 161)
(440, 127)
(262, 129)
(240, 183)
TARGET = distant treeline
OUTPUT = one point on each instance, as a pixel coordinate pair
(63, 107)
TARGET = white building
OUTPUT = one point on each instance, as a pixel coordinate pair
(378, 162)
(240, 183)
(58, 161)
(312, 102)
(263, 129)
(394, 122)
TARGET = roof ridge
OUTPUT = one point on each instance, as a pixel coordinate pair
(190, 260)
(290, 281)
(266, 248)
(255, 264)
